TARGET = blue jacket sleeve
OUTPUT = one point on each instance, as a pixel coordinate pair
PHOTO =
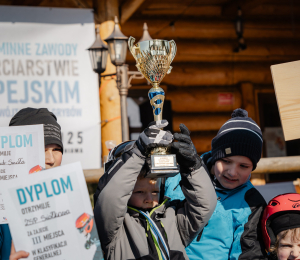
(5, 242)
(248, 242)
(173, 189)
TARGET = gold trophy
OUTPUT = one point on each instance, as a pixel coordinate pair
(153, 59)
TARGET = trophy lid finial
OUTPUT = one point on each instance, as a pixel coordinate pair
(146, 36)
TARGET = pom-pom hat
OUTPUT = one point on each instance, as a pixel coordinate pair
(240, 135)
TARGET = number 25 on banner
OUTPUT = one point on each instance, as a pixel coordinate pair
(73, 137)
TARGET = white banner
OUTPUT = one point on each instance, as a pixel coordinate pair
(22, 152)
(50, 215)
(44, 63)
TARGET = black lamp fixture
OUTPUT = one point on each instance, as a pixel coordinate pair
(117, 45)
(98, 54)
(239, 29)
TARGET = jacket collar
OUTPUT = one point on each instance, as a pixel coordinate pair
(159, 209)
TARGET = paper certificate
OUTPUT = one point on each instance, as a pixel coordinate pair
(50, 215)
(22, 152)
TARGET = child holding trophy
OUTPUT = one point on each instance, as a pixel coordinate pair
(131, 222)
(233, 232)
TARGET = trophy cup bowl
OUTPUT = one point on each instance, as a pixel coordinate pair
(153, 59)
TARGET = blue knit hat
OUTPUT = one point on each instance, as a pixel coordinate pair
(240, 135)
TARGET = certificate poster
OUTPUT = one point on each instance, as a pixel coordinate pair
(50, 215)
(44, 62)
(22, 152)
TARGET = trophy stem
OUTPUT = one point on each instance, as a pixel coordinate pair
(157, 96)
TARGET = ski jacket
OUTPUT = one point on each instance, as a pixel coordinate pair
(233, 232)
(5, 242)
(123, 231)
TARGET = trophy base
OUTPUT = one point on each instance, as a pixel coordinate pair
(163, 165)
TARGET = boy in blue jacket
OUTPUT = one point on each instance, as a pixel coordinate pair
(233, 231)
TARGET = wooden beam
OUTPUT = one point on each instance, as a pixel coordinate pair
(201, 100)
(249, 104)
(128, 9)
(278, 165)
(211, 29)
(210, 74)
(163, 8)
(200, 50)
(231, 7)
(248, 99)
(93, 176)
(81, 3)
(105, 10)
(108, 92)
(202, 122)
(282, 9)
(26, 2)
(202, 141)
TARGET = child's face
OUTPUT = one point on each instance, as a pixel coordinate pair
(287, 248)
(145, 194)
(53, 156)
(233, 171)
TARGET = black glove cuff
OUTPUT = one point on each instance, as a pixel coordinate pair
(185, 171)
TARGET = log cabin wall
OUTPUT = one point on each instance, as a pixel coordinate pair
(209, 79)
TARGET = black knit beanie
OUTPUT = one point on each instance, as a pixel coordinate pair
(240, 135)
(33, 116)
(285, 221)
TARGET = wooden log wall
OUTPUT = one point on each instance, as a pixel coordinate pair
(208, 80)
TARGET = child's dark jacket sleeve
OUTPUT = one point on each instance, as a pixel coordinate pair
(116, 186)
(250, 239)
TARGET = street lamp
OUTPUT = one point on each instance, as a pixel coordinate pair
(117, 48)
(117, 45)
(98, 54)
(146, 36)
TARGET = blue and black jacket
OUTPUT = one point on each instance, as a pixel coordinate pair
(5, 242)
(233, 231)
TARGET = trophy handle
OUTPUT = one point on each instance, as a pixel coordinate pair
(131, 46)
(173, 50)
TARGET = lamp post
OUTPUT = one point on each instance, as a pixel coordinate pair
(98, 55)
(117, 48)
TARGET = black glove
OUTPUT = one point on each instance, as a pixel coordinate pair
(153, 137)
(185, 151)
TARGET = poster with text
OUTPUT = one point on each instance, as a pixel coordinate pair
(22, 152)
(44, 62)
(50, 215)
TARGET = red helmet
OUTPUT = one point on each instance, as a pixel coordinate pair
(85, 222)
(281, 204)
